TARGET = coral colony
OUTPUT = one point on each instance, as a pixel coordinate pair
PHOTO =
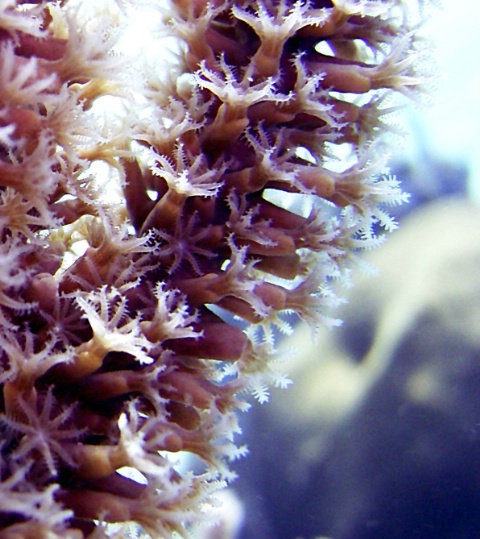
(150, 249)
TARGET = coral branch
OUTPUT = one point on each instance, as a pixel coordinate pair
(144, 206)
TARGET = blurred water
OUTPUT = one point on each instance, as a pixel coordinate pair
(448, 124)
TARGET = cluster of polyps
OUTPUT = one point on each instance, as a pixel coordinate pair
(122, 354)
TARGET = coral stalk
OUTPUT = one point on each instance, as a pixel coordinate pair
(130, 242)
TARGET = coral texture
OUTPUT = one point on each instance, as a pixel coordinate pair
(150, 249)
